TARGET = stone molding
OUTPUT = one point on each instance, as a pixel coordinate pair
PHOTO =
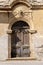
(11, 5)
(7, 5)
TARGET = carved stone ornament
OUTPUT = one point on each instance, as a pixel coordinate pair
(21, 11)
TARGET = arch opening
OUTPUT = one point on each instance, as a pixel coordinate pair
(20, 40)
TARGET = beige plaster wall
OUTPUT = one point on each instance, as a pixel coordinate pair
(3, 36)
(38, 37)
(38, 20)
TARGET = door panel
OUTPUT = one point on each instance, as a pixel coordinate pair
(26, 38)
(26, 51)
(18, 51)
(18, 40)
(22, 40)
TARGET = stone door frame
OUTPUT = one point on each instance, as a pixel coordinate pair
(30, 36)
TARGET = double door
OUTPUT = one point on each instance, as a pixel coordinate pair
(20, 43)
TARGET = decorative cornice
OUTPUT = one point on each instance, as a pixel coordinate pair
(9, 4)
(37, 7)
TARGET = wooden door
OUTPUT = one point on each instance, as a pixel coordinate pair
(20, 43)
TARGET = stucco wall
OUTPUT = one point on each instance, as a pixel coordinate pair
(38, 37)
(3, 36)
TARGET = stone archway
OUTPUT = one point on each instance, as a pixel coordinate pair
(30, 38)
(11, 30)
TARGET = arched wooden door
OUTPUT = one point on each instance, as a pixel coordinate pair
(20, 40)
